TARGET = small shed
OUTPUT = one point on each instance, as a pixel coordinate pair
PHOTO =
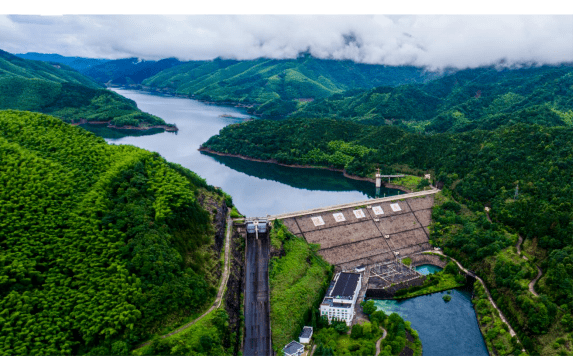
(293, 349)
(306, 335)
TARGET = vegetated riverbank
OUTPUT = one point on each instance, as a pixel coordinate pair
(142, 127)
(171, 92)
(344, 172)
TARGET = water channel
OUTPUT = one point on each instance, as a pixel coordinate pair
(264, 188)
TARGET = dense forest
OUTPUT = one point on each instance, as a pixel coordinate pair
(482, 98)
(101, 245)
(477, 168)
(62, 92)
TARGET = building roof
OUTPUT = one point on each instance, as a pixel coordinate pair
(293, 347)
(346, 285)
(306, 332)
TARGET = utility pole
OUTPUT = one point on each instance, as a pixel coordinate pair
(516, 191)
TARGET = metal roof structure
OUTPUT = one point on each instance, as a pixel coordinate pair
(346, 285)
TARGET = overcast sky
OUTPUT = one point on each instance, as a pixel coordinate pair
(421, 40)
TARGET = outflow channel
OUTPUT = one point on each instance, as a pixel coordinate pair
(257, 296)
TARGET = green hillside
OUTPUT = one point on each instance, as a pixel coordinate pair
(478, 168)
(101, 245)
(277, 87)
(13, 66)
(72, 102)
(483, 98)
(62, 92)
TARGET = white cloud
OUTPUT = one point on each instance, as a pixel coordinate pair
(425, 40)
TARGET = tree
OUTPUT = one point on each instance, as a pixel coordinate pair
(368, 307)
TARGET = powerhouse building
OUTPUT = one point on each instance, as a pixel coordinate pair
(341, 296)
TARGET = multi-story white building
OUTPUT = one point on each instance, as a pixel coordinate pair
(341, 296)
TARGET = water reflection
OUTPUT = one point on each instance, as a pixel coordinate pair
(311, 179)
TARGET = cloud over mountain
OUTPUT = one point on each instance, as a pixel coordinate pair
(421, 40)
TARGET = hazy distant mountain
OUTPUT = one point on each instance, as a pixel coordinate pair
(78, 63)
(128, 71)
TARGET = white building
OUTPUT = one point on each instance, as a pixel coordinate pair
(305, 335)
(293, 349)
(341, 296)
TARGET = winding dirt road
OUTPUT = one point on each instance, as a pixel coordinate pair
(378, 344)
(518, 246)
(220, 292)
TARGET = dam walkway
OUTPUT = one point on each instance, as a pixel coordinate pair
(353, 204)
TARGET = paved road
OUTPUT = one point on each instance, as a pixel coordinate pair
(257, 297)
(353, 204)
(220, 292)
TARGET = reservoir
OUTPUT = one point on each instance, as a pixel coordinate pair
(260, 188)
(257, 188)
(444, 328)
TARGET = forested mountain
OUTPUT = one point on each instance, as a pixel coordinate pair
(278, 87)
(77, 63)
(61, 91)
(128, 71)
(12, 66)
(100, 244)
(478, 168)
(483, 98)
(72, 102)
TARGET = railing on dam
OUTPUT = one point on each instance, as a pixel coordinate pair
(353, 204)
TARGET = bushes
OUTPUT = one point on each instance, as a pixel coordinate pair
(298, 282)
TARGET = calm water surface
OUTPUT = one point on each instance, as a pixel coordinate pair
(444, 328)
(257, 188)
(426, 269)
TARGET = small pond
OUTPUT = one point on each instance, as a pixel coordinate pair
(426, 269)
(444, 328)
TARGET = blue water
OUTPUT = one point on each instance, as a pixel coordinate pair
(444, 328)
(426, 269)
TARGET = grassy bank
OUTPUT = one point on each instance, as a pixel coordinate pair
(298, 281)
(209, 336)
(449, 278)
(496, 333)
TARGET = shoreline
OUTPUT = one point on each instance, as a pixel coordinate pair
(273, 161)
(166, 128)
